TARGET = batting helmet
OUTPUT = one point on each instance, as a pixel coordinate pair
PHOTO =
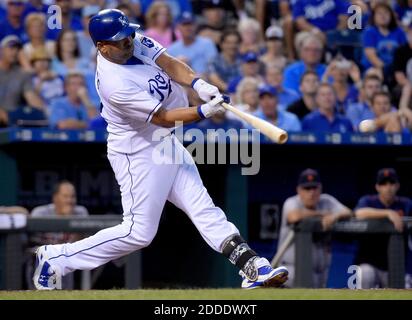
(110, 25)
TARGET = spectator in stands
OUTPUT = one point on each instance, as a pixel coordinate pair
(13, 22)
(310, 50)
(278, 12)
(381, 39)
(251, 36)
(269, 110)
(274, 77)
(196, 51)
(372, 254)
(362, 110)
(131, 8)
(128, 7)
(18, 99)
(68, 55)
(310, 202)
(178, 7)
(46, 83)
(247, 95)
(64, 203)
(74, 110)
(69, 20)
(35, 6)
(216, 20)
(343, 75)
(385, 118)
(87, 49)
(403, 10)
(319, 16)
(325, 118)
(249, 68)
(36, 30)
(159, 24)
(227, 64)
(402, 63)
(309, 85)
(274, 44)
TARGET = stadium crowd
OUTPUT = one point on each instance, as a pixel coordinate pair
(304, 65)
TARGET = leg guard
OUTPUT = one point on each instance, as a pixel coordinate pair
(239, 253)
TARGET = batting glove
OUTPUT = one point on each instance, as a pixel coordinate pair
(205, 90)
(211, 108)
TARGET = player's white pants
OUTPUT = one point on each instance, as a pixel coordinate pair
(145, 187)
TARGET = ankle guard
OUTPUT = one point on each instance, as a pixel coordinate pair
(239, 253)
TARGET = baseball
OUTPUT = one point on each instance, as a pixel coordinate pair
(367, 126)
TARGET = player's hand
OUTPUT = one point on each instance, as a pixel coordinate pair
(328, 221)
(396, 219)
(211, 108)
(205, 90)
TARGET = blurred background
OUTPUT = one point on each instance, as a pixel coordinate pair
(337, 75)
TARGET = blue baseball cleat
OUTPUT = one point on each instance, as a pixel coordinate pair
(46, 276)
(267, 276)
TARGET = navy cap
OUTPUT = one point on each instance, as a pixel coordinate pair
(387, 175)
(309, 178)
(267, 89)
(186, 17)
(249, 57)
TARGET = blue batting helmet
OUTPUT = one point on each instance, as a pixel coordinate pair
(111, 25)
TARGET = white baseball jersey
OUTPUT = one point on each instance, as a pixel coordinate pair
(130, 94)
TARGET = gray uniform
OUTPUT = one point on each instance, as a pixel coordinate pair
(321, 256)
(49, 210)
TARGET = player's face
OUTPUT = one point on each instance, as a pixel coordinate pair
(310, 195)
(118, 51)
(387, 191)
(65, 199)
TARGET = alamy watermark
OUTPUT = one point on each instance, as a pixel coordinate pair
(355, 278)
(210, 147)
(54, 17)
(355, 17)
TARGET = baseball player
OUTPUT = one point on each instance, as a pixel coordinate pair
(140, 87)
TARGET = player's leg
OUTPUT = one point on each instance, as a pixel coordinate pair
(143, 199)
(189, 194)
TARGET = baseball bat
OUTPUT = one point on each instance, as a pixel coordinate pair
(282, 248)
(269, 130)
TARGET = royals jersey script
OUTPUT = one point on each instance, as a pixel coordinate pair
(132, 93)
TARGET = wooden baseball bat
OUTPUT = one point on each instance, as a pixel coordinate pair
(282, 247)
(269, 130)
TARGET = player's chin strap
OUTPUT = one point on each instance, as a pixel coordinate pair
(239, 253)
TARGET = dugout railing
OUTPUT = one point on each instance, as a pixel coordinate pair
(305, 229)
(12, 245)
